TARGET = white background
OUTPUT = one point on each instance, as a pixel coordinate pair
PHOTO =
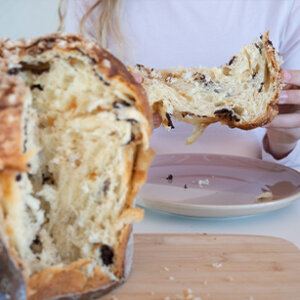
(28, 18)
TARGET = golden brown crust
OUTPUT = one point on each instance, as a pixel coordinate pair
(119, 264)
(12, 91)
(68, 280)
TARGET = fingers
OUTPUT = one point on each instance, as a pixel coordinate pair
(291, 77)
(286, 121)
(289, 97)
(156, 120)
(138, 78)
(291, 87)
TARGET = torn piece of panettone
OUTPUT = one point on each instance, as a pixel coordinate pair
(243, 93)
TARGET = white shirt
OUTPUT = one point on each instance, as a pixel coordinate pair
(168, 33)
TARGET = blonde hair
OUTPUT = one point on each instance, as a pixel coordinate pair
(107, 24)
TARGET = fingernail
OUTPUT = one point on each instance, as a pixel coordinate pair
(283, 97)
(286, 76)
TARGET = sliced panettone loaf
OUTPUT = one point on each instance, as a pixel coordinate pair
(242, 94)
(74, 134)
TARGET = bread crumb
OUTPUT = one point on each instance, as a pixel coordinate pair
(205, 282)
(171, 278)
(188, 294)
(217, 265)
(166, 269)
(167, 298)
(201, 182)
(230, 278)
(264, 197)
(113, 298)
(152, 293)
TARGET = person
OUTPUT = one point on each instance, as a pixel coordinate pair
(191, 33)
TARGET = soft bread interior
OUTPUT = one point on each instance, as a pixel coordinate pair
(238, 94)
(85, 129)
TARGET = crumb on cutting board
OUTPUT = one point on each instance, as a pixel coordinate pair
(217, 265)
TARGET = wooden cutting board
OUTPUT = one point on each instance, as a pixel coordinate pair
(217, 267)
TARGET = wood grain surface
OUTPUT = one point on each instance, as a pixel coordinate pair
(217, 267)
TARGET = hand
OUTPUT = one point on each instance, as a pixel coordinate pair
(283, 132)
(156, 117)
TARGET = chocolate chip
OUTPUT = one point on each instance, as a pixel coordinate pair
(209, 83)
(121, 103)
(170, 177)
(131, 121)
(106, 255)
(36, 245)
(254, 75)
(36, 86)
(183, 114)
(19, 177)
(132, 138)
(185, 186)
(224, 113)
(106, 186)
(258, 47)
(38, 68)
(102, 79)
(47, 179)
(261, 86)
(50, 39)
(199, 77)
(232, 60)
(139, 66)
(269, 42)
(14, 71)
(92, 61)
(170, 124)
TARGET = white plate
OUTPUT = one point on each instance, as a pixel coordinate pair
(235, 185)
